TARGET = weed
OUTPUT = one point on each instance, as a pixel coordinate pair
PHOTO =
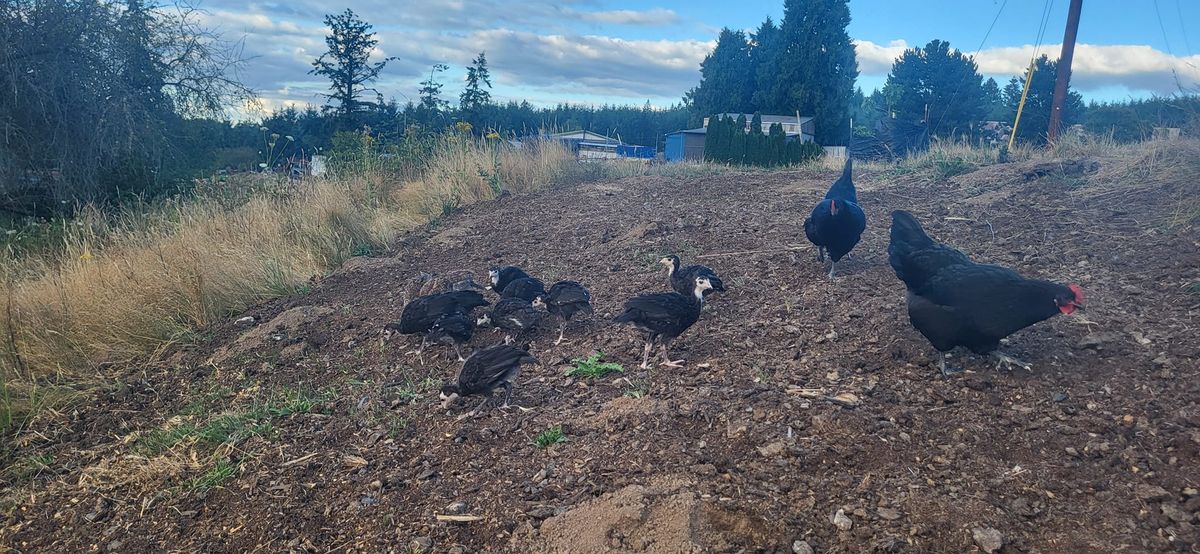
(635, 393)
(592, 367)
(161, 440)
(221, 471)
(550, 437)
(27, 468)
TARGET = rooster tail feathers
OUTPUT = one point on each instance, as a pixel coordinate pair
(843, 187)
(847, 170)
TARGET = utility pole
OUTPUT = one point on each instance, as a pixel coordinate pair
(1064, 70)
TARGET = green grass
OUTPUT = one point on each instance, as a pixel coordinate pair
(220, 472)
(27, 468)
(592, 368)
(550, 437)
(232, 426)
(1194, 288)
(635, 393)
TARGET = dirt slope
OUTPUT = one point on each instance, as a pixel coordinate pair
(1096, 450)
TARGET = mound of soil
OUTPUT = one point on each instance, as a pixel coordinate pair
(809, 414)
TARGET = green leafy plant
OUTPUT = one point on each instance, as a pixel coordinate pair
(592, 368)
(550, 437)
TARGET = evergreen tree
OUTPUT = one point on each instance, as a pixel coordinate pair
(475, 96)
(738, 150)
(939, 86)
(724, 77)
(814, 67)
(764, 43)
(777, 145)
(431, 105)
(993, 101)
(347, 63)
(1035, 119)
(756, 143)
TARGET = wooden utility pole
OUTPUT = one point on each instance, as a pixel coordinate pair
(1064, 69)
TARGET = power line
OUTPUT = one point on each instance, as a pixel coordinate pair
(1183, 28)
(954, 97)
(1162, 27)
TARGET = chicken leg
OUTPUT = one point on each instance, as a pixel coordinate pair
(646, 354)
(832, 268)
(948, 371)
(1008, 362)
(666, 357)
(562, 329)
(458, 351)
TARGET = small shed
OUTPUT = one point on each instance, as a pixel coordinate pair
(687, 145)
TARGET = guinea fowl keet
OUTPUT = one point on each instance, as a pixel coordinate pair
(514, 315)
(683, 279)
(525, 288)
(664, 316)
(455, 329)
(837, 222)
(502, 276)
(420, 315)
(564, 300)
(955, 302)
(485, 371)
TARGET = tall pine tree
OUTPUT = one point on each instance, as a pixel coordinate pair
(814, 67)
(475, 95)
(1035, 118)
(725, 84)
(937, 85)
(347, 63)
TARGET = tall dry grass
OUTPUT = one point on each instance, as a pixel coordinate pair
(124, 287)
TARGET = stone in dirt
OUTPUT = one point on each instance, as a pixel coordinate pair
(889, 514)
(989, 540)
(1151, 493)
(801, 547)
(841, 520)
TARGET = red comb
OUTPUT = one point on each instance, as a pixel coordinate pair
(1078, 292)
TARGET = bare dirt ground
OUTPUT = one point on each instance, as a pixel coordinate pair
(309, 432)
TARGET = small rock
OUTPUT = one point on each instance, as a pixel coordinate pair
(245, 321)
(375, 485)
(889, 514)
(541, 512)
(1060, 396)
(842, 521)
(100, 512)
(1072, 451)
(846, 399)
(1096, 341)
(1021, 507)
(456, 508)
(791, 329)
(801, 547)
(421, 544)
(114, 546)
(427, 473)
(771, 450)
(989, 540)
(1192, 504)
(1151, 493)
(542, 475)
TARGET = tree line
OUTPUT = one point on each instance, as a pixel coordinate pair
(736, 141)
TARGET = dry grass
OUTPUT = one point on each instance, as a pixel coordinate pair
(123, 288)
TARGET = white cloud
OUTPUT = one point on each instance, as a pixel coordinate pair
(654, 18)
(875, 59)
(1136, 67)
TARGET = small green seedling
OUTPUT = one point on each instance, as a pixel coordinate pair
(592, 367)
(550, 437)
(221, 471)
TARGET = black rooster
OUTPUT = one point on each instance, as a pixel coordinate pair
(956, 302)
(837, 222)
(484, 372)
(664, 316)
(683, 279)
(564, 300)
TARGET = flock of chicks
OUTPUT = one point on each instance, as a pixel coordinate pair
(952, 300)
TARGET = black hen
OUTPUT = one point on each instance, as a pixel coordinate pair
(954, 302)
(420, 315)
(455, 329)
(564, 300)
(683, 279)
(837, 222)
(664, 316)
(526, 288)
(502, 276)
(512, 314)
(485, 371)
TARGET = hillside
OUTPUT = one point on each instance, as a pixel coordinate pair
(309, 431)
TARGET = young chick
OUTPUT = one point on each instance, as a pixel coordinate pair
(664, 316)
(564, 300)
(484, 372)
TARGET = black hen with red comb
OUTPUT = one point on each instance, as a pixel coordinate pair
(955, 302)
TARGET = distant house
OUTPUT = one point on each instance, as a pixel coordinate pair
(688, 144)
(594, 146)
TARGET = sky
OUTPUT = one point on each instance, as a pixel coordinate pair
(625, 52)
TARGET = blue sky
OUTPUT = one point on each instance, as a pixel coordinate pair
(623, 52)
